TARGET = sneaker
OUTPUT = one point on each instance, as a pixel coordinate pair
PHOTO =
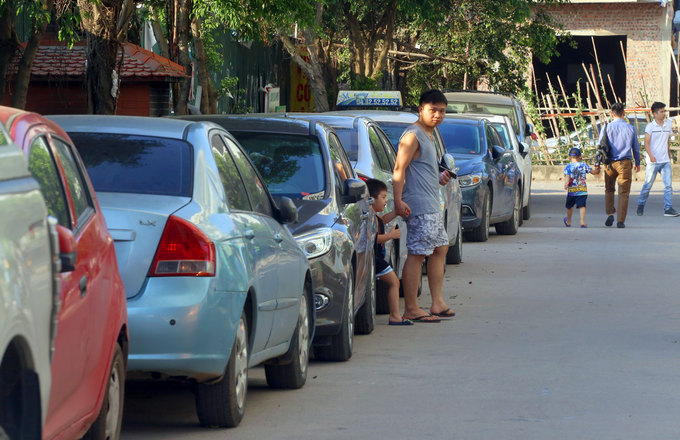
(620, 225)
(670, 212)
(609, 221)
(641, 209)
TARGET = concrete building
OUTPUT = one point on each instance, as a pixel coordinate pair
(642, 29)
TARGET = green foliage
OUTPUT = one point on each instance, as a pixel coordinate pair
(229, 88)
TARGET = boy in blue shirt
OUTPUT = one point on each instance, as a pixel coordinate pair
(575, 184)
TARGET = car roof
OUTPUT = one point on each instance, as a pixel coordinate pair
(384, 115)
(262, 122)
(480, 97)
(138, 125)
(465, 118)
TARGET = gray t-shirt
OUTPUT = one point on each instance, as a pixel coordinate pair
(421, 185)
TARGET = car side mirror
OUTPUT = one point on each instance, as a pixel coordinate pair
(286, 210)
(523, 147)
(354, 190)
(497, 152)
(448, 163)
(530, 129)
(68, 250)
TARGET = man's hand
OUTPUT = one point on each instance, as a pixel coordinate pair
(637, 168)
(652, 159)
(402, 208)
(444, 178)
(595, 171)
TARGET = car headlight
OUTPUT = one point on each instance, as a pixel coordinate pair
(316, 242)
(469, 179)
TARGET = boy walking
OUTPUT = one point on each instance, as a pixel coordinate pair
(657, 147)
(384, 272)
(575, 184)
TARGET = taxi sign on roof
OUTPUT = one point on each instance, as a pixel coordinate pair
(359, 98)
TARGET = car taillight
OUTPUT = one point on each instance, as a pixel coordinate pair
(183, 251)
(534, 136)
(362, 177)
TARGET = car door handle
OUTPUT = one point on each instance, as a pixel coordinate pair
(364, 215)
(83, 286)
(278, 238)
(249, 234)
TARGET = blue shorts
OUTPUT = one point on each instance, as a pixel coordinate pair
(578, 201)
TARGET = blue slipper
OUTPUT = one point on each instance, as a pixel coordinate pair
(404, 321)
(584, 226)
(565, 223)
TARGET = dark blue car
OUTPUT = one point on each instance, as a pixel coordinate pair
(489, 177)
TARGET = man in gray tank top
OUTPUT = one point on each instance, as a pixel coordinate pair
(416, 183)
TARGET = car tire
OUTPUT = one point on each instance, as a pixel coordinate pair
(18, 384)
(511, 226)
(342, 344)
(455, 253)
(526, 211)
(223, 403)
(109, 421)
(290, 371)
(365, 320)
(481, 232)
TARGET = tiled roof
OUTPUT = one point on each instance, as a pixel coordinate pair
(57, 60)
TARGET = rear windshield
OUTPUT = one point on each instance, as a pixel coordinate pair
(461, 138)
(487, 109)
(348, 137)
(291, 165)
(394, 130)
(122, 163)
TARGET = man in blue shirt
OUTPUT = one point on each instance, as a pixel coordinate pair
(623, 140)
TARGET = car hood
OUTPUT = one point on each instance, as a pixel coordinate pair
(312, 214)
(469, 164)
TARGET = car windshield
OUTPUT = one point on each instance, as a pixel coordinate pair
(291, 165)
(461, 138)
(122, 163)
(349, 139)
(394, 130)
(487, 109)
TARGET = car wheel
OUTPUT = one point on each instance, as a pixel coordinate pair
(223, 403)
(290, 371)
(342, 344)
(455, 253)
(526, 211)
(108, 423)
(510, 226)
(481, 232)
(521, 214)
(366, 316)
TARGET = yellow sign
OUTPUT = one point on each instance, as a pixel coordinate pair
(301, 98)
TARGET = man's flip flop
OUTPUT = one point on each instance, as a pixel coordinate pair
(448, 313)
(426, 318)
(404, 321)
(565, 222)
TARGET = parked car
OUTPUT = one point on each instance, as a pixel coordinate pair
(522, 153)
(492, 103)
(202, 249)
(91, 345)
(586, 137)
(29, 296)
(393, 124)
(489, 176)
(336, 228)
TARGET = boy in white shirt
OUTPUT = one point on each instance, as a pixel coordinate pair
(657, 147)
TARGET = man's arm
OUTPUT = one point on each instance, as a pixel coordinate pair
(408, 147)
(636, 149)
(648, 148)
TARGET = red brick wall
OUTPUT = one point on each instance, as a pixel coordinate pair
(647, 27)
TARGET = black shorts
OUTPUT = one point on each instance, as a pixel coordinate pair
(579, 201)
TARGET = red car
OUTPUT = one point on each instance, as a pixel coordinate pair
(91, 345)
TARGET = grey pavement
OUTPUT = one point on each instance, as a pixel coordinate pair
(560, 333)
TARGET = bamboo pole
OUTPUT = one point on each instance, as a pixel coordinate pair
(569, 109)
(599, 71)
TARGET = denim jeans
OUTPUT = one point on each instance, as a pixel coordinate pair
(666, 176)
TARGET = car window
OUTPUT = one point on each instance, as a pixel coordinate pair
(492, 137)
(377, 150)
(257, 193)
(389, 150)
(290, 165)
(124, 163)
(489, 109)
(338, 172)
(44, 170)
(339, 157)
(80, 193)
(441, 150)
(394, 130)
(461, 138)
(229, 175)
(504, 134)
(350, 143)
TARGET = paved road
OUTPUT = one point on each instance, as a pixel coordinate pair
(560, 334)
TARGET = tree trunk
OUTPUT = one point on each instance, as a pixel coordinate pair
(202, 74)
(313, 71)
(8, 45)
(102, 97)
(160, 38)
(24, 73)
(181, 97)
